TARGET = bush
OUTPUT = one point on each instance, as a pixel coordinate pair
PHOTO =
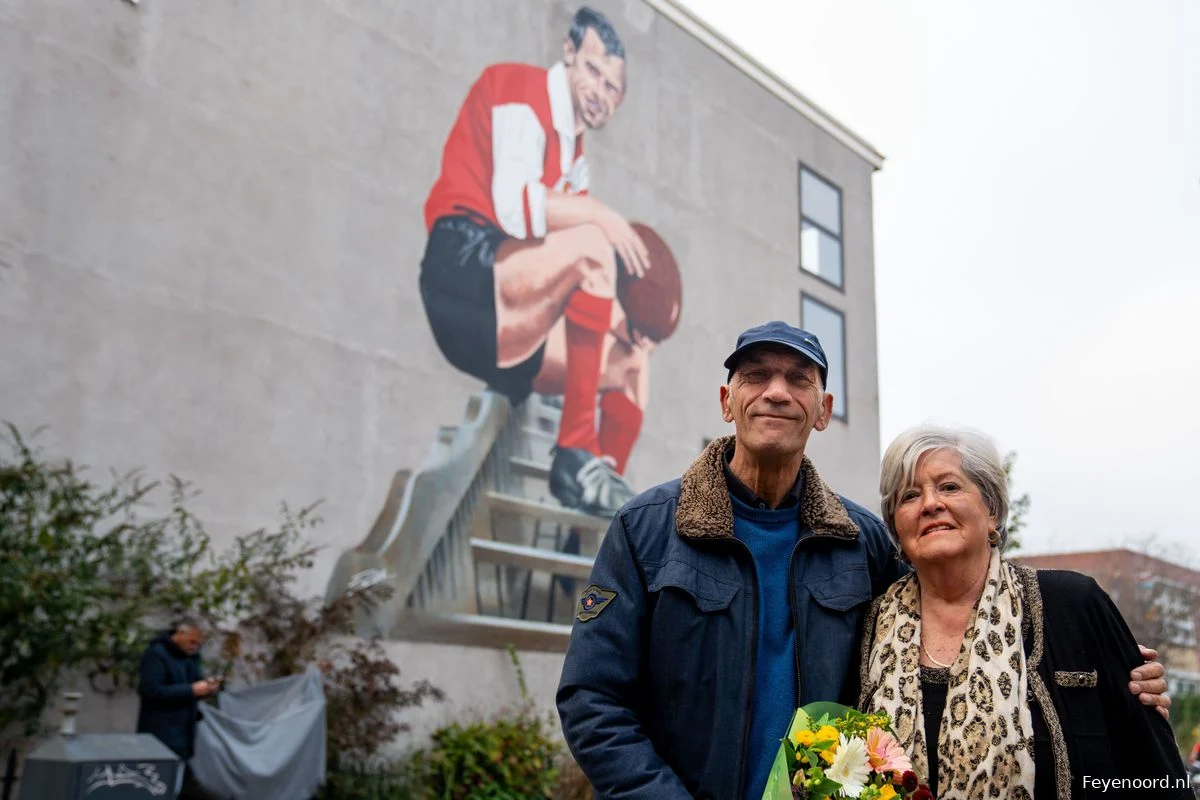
(86, 568)
(382, 781)
(512, 757)
(572, 783)
(82, 567)
(282, 633)
(506, 759)
(1185, 721)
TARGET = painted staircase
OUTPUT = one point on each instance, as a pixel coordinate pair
(473, 545)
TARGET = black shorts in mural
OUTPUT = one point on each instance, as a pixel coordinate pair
(458, 290)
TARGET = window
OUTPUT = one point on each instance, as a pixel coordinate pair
(829, 325)
(820, 228)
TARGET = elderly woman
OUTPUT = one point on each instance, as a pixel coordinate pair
(1002, 681)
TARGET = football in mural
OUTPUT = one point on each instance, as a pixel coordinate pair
(653, 301)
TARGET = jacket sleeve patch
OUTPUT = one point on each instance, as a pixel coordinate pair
(592, 602)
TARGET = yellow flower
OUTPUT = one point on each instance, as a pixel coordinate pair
(887, 792)
(827, 733)
(827, 755)
(803, 738)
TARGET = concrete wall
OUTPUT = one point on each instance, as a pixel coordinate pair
(210, 219)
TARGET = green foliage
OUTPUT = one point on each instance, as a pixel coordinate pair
(384, 781)
(511, 757)
(1185, 721)
(81, 565)
(506, 759)
(86, 570)
(282, 634)
(1018, 506)
(221, 587)
(572, 783)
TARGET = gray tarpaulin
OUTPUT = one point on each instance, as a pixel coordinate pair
(265, 742)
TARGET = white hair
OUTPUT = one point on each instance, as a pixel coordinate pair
(976, 452)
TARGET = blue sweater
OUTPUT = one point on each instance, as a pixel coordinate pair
(771, 536)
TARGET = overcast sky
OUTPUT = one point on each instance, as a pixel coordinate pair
(1037, 229)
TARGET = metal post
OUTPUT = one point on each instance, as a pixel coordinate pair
(70, 711)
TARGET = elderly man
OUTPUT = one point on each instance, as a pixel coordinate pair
(721, 601)
(171, 683)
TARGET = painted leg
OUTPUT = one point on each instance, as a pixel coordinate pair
(534, 281)
(621, 410)
(620, 424)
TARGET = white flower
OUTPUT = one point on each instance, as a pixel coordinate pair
(851, 766)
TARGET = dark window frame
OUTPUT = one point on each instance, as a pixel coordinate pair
(841, 238)
(841, 315)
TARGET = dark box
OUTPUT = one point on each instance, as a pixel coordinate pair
(102, 766)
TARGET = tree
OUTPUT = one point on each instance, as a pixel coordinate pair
(88, 574)
(1018, 506)
(281, 634)
(81, 567)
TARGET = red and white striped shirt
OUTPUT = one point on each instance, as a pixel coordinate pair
(513, 141)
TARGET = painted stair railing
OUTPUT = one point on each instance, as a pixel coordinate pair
(473, 546)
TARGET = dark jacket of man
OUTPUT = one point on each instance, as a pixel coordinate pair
(657, 688)
(169, 708)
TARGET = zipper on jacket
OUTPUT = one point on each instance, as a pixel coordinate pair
(795, 613)
(752, 672)
(795, 617)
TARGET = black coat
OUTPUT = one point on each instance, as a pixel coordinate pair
(1106, 732)
(1092, 738)
(169, 707)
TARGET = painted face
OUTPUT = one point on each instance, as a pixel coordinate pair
(596, 80)
(943, 514)
(189, 640)
(775, 400)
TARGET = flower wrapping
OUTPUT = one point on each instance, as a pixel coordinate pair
(833, 752)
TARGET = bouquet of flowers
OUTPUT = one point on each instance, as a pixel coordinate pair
(834, 752)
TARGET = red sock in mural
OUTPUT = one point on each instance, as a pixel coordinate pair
(588, 319)
(620, 424)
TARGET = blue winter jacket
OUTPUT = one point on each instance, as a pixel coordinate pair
(169, 707)
(657, 687)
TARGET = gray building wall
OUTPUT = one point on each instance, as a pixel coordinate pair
(211, 224)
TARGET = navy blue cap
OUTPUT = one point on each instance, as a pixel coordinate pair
(778, 332)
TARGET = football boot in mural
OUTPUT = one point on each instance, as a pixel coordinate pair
(586, 482)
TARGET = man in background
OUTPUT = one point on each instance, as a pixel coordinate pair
(171, 683)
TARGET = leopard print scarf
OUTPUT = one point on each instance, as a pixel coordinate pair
(986, 736)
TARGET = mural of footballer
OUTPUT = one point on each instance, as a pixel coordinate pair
(523, 269)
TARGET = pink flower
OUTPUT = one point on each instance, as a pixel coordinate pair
(885, 753)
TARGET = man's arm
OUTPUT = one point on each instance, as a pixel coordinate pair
(152, 681)
(572, 210)
(1143, 744)
(525, 208)
(596, 696)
